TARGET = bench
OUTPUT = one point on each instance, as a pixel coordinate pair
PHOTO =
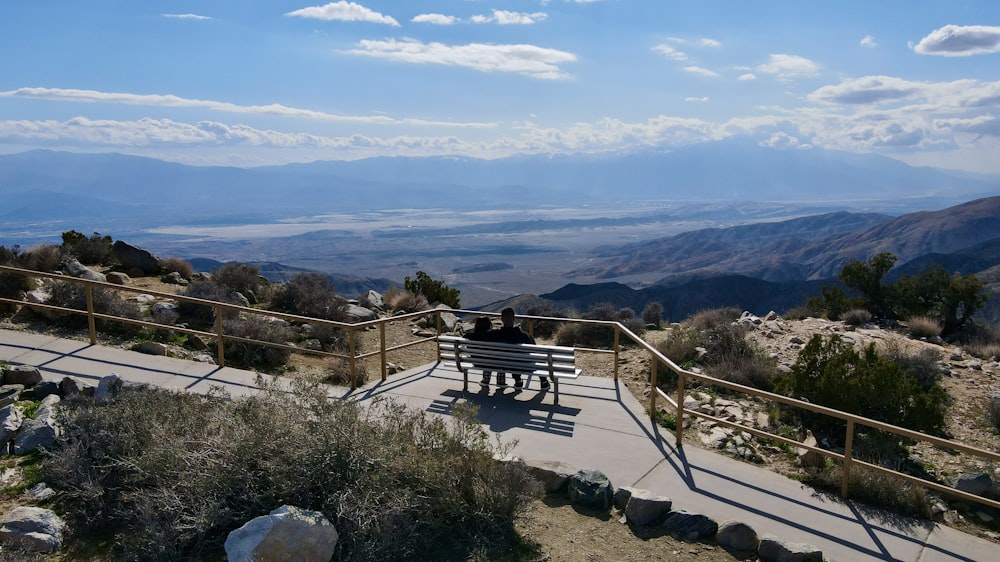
(524, 359)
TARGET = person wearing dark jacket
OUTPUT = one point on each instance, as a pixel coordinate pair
(484, 331)
(510, 333)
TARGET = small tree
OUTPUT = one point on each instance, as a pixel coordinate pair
(95, 250)
(866, 278)
(435, 291)
(653, 314)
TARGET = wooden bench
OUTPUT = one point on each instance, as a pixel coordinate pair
(524, 359)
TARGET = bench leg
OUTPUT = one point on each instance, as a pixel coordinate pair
(465, 380)
(555, 390)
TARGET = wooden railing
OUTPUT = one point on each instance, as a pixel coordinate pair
(847, 460)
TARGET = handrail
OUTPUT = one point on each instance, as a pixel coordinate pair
(657, 358)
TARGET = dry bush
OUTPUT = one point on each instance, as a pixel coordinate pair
(309, 294)
(749, 367)
(544, 328)
(241, 278)
(983, 342)
(338, 372)
(856, 316)
(206, 290)
(875, 489)
(257, 355)
(713, 318)
(176, 265)
(401, 300)
(924, 327)
(46, 257)
(71, 295)
(166, 476)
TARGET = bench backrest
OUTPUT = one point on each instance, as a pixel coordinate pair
(519, 358)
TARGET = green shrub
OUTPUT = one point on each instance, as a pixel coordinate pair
(653, 314)
(923, 327)
(544, 328)
(309, 294)
(95, 250)
(596, 335)
(435, 291)
(255, 355)
(241, 278)
(832, 373)
(71, 295)
(206, 290)
(166, 476)
(176, 265)
(856, 316)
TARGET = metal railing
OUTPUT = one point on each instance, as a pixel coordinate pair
(847, 460)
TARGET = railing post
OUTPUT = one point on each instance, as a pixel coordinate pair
(381, 337)
(89, 290)
(219, 335)
(354, 359)
(437, 319)
(531, 327)
(845, 471)
(652, 389)
(680, 410)
(617, 337)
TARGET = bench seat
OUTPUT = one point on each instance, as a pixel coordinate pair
(554, 362)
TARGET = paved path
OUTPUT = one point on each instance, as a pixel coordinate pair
(598, 425)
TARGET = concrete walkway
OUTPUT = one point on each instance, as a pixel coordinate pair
(598, 425)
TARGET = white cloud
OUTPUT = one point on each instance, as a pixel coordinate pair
(708, 42)
(436, 19)
(867, 90)
(186, 16)
(960, 41)
(530, 60)
(670, 52)
(868, 41)
(786, 67)
(505, 17)
(703, 99)
(701, 71)
(167, 100)
(748, 76)
(344, 11)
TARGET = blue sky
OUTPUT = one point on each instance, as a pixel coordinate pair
(252, 82)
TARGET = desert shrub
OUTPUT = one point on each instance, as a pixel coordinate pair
(166, 476)
(993, 412)
(713, 340)
(982, 347)
(653, 314)
(255, 355)
(596, 335)
(435, 291)
(830, 372)
(401, 300)
(874, 488)
(309, 294)
(338, 371)
(924, 365)
(207, 290)
(92, 250)
(12, 285)
(923, 327)
(544, 328)
(176, 265)
(241, 278)
(856, 316)
(71, 295)
(45, 257)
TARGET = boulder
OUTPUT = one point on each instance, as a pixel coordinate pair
(40, 431)
(808, 457)
(287, 533)
(40, 390)
(737, 536)
(687, 526)
(11, 418)
(32, 528)
(978, 483)
(10, 393)
(359, 313)
(76, 269)
(772, 549)
(645, 507)
(150, 348)
(132, 257)
(118, 278)
(553, 474)
(108, 387)
(591, 488)
(70, 386)
(375, 300)
(27, 375)
(174, 278)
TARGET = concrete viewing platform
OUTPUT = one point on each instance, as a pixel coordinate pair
(597, 425)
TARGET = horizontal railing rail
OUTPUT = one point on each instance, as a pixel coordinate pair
(656, 360)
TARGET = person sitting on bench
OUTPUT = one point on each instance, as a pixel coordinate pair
(510, 333)
(484, 331)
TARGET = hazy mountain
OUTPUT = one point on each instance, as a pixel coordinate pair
(349, 286)
(724, 170)
(814, 247)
